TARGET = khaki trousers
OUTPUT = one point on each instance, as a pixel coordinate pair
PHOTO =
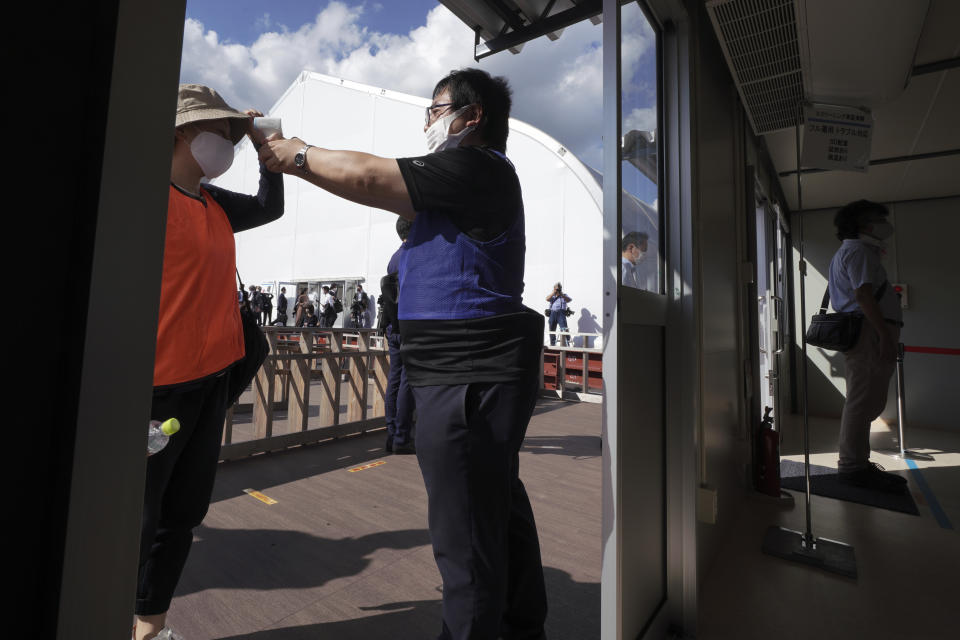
(868, 378)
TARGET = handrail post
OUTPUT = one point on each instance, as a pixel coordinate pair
(381, 371)
(299, 401)
(263, 391)
(330, 381)
(357, 387)
(228, 426)
(904, 453)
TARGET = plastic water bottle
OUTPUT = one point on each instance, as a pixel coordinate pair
(158, 434)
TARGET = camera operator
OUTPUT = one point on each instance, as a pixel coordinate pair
(470, 348)
(558, 313)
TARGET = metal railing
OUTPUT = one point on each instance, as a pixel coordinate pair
(572, 371)
(309, 374)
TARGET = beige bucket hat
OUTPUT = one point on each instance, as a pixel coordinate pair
(196, 102)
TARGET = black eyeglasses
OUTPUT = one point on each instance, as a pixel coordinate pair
(429, 110)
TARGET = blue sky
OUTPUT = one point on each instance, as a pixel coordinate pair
(252, 51)
(242, 21)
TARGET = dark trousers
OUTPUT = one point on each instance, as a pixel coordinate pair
(178, 487)
(481, 524)
(399, 402)
(558, 317)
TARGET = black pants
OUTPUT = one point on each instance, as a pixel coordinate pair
(399, 403)
(481, 524)
(178, 487)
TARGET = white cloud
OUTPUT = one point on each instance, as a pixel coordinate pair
(557, 84)
(642, 118)
(263, 23)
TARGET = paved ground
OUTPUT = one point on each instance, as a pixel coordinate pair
(346, 555)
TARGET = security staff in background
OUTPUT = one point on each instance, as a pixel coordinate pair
(858, 283)
(282, 307)
(358, 309)
(471, 349)
(399, 403)
(328, 314)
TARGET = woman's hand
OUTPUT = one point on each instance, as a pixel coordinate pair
(256, 136)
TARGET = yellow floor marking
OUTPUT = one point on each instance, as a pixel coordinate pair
(259, 496)
(369, 466)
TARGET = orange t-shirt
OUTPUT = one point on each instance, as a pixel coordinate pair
(199, 332)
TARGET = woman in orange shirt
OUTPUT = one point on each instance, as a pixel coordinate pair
(196, 348)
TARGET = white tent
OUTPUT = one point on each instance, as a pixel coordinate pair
(322, 238)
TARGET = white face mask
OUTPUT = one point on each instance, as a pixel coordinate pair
(213, 153)
(641, 256)
(882, 230)
(873, 242)
(439, 137)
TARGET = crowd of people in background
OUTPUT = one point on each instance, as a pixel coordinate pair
(309, 309)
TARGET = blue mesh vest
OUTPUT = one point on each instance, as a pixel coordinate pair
(447, 275)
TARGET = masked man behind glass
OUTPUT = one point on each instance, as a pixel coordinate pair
(470, 348)
(633, 251)
(858, 283)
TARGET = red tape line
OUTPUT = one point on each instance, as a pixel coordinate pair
(938, 350)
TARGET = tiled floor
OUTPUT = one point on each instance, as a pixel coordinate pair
(907, 564)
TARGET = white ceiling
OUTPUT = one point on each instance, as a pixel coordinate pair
(922, 119)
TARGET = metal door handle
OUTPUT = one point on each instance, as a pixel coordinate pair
(777, 300)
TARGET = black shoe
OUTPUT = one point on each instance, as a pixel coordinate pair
(389, 446)
(405, 449)
(890, 476)
(874, 477)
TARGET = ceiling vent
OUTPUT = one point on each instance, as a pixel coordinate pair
(759, 41)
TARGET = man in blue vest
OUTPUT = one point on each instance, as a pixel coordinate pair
(470, 348)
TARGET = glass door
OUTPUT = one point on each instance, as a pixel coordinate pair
(634, 581)
(771, 261)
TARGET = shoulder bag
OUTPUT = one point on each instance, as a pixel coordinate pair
(255, 352)
(837, 331)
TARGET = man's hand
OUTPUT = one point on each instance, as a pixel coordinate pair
(277, 153)
(888, 346)
(356, 176)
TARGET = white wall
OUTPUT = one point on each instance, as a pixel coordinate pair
(322, 237)
(920, 255)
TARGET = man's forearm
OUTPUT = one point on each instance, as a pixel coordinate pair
(871, 310)
(359, 177)
(353, 175)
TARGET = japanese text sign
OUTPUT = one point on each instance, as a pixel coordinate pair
(836, 137)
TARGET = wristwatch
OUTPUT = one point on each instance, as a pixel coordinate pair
(301, 158)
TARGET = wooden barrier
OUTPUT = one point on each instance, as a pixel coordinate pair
(573, 373)
(312, 368)
(311, 372)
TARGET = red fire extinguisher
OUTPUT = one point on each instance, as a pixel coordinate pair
(768, 460)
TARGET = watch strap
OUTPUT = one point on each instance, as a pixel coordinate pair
(303, 154)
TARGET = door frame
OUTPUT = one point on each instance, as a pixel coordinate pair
(676, 309)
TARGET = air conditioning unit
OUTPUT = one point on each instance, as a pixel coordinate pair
(784, 52)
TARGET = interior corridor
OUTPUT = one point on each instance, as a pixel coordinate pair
(907, 564)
